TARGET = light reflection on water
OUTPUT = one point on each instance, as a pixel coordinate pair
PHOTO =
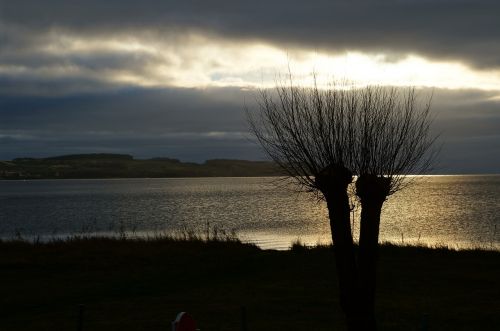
(458, 211)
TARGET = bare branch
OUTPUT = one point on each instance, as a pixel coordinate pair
(375, 130)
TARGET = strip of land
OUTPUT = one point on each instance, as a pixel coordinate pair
(125, 166)
(143, 284)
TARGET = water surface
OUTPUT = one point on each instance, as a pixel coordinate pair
(458, 211)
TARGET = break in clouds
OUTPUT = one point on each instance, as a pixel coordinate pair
(172, 78)
(463, 30)
(91, 45)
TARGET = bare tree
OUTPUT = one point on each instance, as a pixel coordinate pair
(322, 138)
(393, 141)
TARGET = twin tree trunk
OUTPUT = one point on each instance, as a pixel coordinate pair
(357, 278)
(372, 192)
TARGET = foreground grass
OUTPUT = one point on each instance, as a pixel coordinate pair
(142, 285)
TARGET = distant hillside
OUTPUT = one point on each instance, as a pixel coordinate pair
(125, 166)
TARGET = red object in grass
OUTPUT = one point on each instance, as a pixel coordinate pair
(184, 322)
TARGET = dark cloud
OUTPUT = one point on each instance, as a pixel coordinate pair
(198, 124)
(183, 123)
(468, 122)
(153, 111)
(447, 29)
(19, 85)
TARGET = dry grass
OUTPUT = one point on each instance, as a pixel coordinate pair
(141, 284)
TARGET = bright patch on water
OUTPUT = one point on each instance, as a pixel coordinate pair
(456, 211)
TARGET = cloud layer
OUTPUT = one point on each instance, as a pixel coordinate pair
(171, 78)
(463, 30)
(195, 125)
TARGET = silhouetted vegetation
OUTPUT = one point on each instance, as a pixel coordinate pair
(143, 284)
(125, 166)
(322, 138)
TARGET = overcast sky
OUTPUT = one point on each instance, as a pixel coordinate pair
(172, 78)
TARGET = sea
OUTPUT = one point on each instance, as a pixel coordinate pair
(456, 211)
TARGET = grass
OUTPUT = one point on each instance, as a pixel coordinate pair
(129, 284)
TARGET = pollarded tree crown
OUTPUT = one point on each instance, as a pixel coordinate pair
(333, 177)
(373, 188)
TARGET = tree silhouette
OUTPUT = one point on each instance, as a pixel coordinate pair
(324, 139)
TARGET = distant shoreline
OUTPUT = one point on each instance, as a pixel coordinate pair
(122, 166)
(201, 177)
(119, 166)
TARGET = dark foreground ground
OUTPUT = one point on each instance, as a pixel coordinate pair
(139, 285)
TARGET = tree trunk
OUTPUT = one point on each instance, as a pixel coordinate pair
(333, 183)
(345, 260)
(367, 260)
(372, 191)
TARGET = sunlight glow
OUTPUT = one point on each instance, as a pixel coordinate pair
(199, 61)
